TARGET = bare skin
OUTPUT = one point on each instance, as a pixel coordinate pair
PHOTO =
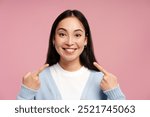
(31, 80)
(109, 81)
(69, 42)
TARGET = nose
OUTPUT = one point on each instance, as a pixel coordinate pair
(69, 41)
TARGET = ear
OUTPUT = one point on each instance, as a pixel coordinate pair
(85, 42)
(53, 42)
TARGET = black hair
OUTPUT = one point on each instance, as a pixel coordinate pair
(87, 57)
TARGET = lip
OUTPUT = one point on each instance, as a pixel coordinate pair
(69, 50)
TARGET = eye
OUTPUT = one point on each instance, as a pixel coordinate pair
(62, 34)
(78, 35)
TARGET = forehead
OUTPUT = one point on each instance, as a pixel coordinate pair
(70, 23)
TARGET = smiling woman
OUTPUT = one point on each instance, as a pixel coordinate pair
(73, 72)
(69, 42)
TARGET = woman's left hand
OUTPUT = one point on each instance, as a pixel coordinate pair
(109, 81)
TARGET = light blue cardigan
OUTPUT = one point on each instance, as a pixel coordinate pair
(49, 91)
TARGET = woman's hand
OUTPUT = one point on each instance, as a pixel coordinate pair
(31, 80)
(109, 81)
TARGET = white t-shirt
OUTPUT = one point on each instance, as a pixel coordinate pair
(70, 84)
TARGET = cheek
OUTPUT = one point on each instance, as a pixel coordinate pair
(81, 44)
(57, 43)
(57, 46)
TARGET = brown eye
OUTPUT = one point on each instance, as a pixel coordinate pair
(62, 34)
(77, 35)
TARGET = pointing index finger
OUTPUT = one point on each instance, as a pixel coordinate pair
(42, 68)
(100, 68)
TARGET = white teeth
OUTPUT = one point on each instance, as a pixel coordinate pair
(69, 50)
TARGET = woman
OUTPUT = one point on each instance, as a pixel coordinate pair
(73, 72)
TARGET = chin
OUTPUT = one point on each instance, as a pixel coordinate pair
(70, 59)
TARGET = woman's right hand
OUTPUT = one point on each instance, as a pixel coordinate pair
(31, 80)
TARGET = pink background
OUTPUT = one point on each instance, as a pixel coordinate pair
(120, 30)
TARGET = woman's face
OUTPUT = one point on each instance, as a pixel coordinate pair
(70, 39)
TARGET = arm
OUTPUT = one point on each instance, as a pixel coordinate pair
(30, 84)
(26, 93)
(109, 85)
(115, 94)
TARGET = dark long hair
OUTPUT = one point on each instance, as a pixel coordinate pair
(87, 56)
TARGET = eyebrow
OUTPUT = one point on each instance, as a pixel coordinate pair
(62, 29)
(66, 30)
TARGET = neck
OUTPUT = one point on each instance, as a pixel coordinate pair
(70, 66)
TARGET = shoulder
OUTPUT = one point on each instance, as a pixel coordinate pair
(97, 74)
(45, 76)
(45, 71)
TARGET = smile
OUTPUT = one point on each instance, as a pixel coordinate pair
(70, 50)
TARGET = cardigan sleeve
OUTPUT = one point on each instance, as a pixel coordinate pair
(26, 93)
(115, 94)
